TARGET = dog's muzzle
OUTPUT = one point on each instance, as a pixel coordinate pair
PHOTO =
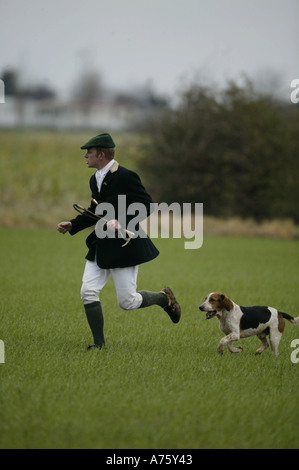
(209, 314)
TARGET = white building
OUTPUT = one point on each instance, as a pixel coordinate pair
(30, 113)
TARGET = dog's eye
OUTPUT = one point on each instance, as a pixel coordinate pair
(212, 300)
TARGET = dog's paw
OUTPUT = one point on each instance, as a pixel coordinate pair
(220, 349)
(259, 351)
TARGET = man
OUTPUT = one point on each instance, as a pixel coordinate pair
(110, 184)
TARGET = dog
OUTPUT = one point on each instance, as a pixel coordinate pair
(241, 322)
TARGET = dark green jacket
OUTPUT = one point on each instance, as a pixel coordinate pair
(108, 251)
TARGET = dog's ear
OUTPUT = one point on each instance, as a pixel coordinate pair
(226, 302)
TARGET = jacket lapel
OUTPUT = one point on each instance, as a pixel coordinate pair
(107, 178)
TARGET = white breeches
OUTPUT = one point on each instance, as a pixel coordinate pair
(125, 281)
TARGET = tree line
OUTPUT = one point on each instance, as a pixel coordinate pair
(235, 150)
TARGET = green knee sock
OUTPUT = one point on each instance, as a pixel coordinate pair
(153, 298)
(95, 320)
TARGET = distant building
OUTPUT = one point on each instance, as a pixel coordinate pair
(52, 113)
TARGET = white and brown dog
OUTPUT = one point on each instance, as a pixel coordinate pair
(241, 322)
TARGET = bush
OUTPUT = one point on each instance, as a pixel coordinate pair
(235, 150)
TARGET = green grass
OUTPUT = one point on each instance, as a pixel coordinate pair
(156, 385)
(42, 174)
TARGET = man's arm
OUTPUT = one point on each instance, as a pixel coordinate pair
(77, 224)
(64, 227)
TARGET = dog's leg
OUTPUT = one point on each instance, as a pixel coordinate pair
(227, 339)
(275, 337)
(264, 345)
(233, 349)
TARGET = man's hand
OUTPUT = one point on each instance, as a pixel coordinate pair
(113, 225)
(64, 227)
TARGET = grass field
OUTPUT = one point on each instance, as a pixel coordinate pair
(156, 385)
(42, 174)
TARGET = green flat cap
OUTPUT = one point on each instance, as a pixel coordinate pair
(102, 140)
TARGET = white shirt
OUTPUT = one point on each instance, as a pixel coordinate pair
(100, 174)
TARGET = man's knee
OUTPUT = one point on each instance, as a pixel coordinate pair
(130, 302)
(88, 294)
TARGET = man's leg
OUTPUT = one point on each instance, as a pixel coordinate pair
(153, 298)
(94, 279)
(95, 318)
(166, 299)
(125, 280)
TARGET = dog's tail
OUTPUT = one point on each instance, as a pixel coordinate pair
(293, 320)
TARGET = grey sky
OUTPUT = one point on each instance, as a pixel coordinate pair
(131, 41)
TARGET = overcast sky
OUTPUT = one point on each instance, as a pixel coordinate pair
(131, 42)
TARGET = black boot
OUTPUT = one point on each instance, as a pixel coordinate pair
(166, 299)
(153, 298)
(95, 320)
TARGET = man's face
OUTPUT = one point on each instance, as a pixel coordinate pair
(92, 157)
